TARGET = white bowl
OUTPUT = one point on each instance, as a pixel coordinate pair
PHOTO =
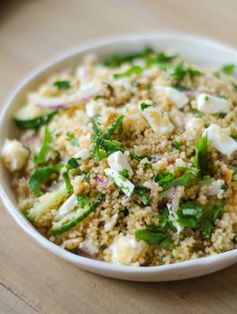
(197, 50)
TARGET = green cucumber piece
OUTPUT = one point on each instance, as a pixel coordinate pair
(49, 201)
(56, 230)
(34, 123)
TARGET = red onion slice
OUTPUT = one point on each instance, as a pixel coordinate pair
(67, 101)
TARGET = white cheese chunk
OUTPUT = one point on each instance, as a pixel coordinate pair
(66, 207)
(177, 97)
(14, 155)
(222, 142)
(211, 104)
(158, 122)
(124, 250)
(124, 184)
(88, 247)
(118, 161)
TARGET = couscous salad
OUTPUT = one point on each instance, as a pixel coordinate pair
(130, 160)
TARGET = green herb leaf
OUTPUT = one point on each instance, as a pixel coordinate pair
(200, 159)
(144, 193)
(165, 222)
(83, 200)
(62, 84)
(163, 177)
(228, 69)
(41, 157)
(42, 175)
(117, 60)
(161, 58)
(67, 181)
(124, 173)
(136, 69)
(152, 238)
(176, 144)
(166, 179)
(103, 144)
(70, 137)
(189, 215)
(221, 115)
(144, 106)
(178, 71)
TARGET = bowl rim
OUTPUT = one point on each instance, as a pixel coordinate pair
(84, 262)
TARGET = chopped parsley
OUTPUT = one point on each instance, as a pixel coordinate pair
(67, 181)
(144, 106)
(161, 58)
(166, 179)
(117, 60)
(62, 84)
(178, 71)
(144, 194)
(135, 69)
(124, 173)
(165, 222)
(42, 175)
(41, 157)
(153, 237)
(228, 69)
(176, 144)
(70, 137)
(103, 144)
(194, 216)
(221, 115)
(200, 159)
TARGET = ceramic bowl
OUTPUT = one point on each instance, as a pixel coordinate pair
(197, 50)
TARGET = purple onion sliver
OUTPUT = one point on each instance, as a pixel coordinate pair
(100, 181)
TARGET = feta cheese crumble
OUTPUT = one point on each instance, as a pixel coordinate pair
(222, 142)
(177, 97)
(14, 155)
(212, 104)
(124, 184)
(117, 161)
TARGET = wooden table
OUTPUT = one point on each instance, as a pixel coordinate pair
(33, 280)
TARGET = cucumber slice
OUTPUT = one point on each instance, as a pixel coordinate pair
(60, 227)
(34, 123)
(49, 201)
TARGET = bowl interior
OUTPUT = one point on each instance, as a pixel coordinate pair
(196, 50)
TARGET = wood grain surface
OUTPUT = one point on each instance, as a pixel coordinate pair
(33, 280)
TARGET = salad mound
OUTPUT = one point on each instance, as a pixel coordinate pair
(130, 160)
